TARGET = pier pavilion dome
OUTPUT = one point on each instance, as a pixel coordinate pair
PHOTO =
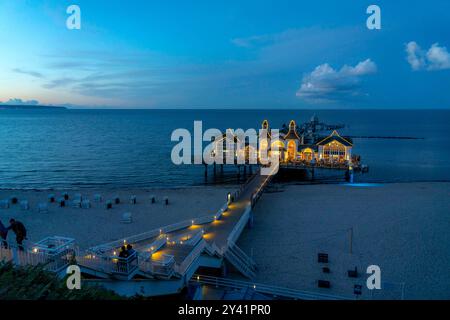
(292, 142)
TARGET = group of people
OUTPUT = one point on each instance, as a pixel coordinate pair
(126, 251)
(19, 230)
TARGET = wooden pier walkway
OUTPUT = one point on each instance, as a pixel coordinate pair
(166, 259)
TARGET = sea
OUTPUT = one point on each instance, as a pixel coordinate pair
(67, 149)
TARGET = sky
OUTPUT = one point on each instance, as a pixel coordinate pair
(226, 54)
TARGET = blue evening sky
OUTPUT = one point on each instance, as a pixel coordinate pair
(226, 54)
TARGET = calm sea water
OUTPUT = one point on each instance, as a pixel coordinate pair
(131, 148)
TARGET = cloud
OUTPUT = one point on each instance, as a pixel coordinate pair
(328, 84)
(29, 73)
(252, 41)
(20, 102)
(436, 58)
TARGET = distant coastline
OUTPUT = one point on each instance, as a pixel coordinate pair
(29, 107)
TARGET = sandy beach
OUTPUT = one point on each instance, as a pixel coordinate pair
(403, 228)
(94, 226)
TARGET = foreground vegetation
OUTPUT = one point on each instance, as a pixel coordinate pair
(34, 283)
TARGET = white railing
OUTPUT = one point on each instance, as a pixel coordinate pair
(24, 258)
(153, 247)
(110, 265)
(243, 256)
(95, 263)
(194, 254)
(240, 264)
(235, 233)
(216, 249)
(273, 291)
(104, 248)
(162, 267)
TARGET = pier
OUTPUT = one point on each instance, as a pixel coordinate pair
(164, 261)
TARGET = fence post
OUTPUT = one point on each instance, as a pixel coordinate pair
(15, 256)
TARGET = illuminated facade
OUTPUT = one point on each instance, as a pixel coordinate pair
(294, 144)
(291, 146)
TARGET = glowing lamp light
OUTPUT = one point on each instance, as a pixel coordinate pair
(229, 197)
(114, 253)
(35, 250)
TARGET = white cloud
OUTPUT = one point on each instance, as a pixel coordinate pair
(436, 58)
(327, 84)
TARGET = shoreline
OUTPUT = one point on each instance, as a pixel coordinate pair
(221, 185)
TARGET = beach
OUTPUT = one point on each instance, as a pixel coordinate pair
(401, 227)
(94, 226)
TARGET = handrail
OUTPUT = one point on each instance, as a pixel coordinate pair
(239, 226)
(264, 288)
(100, 249)
(23, 258)
(243, 255)
(155, 246)
(194, 254)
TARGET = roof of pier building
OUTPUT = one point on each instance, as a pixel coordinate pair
(292, 133)
(335, 136)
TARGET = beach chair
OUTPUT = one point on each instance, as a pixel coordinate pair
(42, 207)
(61, 202)
(85, 204)
(126, 218)
(357, 289)
(152, 198)
(76, 203)
(322, 258)
(353, 273)
(4, 204)
(108, 205)
(98, 198)
(166, 201)
(24, 205)
(133, 200)
(51, 198)
(324, 284)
